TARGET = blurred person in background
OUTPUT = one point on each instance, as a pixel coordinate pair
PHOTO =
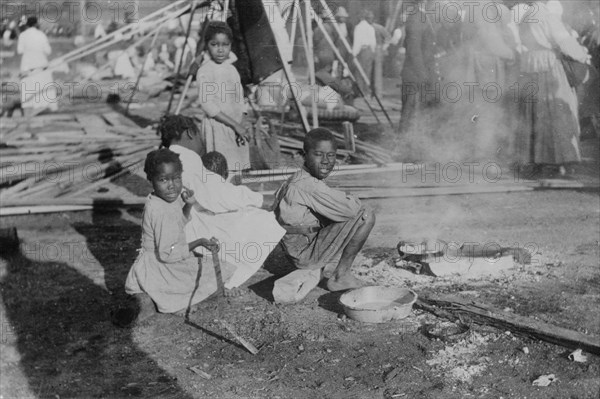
(419, 72)
(38, 91)
(549, 137)
(364, 46)
(328, 70)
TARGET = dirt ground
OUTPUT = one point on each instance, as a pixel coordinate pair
(58, 340)
(58, 292)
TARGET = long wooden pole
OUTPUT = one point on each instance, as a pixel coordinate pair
(225, 10)
(294, 24)
(188, 82)
(453, 308)
(54, 63)
(356, 62)
(391, 23)
(339, 56)
(311, 64)
(139, 77)
(106, 65)
(134, 45)
(113, 37)
(185, 44)
(293, 85)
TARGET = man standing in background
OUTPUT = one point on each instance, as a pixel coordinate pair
(341, 17)
(383, 39)
(38, 92)
(418, 73)
(364, 46)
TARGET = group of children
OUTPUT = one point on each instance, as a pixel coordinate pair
(319, 227)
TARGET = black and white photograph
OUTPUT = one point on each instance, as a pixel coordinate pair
(281, 199)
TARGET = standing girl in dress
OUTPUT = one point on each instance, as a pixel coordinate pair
(166, 270)
(221, 97)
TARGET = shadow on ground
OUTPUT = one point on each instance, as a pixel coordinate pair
(64, 342)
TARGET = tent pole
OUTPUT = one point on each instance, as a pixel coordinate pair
(293, 86)
(139, 77)
(225, 9)
(107, 64)
(294, 23)
(114, 36)
(356, 63)
(185, 44)
(75, 55)
(344, 64)
(188, 81)
(308, 48)
(392, 22)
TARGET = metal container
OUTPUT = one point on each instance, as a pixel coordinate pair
(378, 304)
(421, 251)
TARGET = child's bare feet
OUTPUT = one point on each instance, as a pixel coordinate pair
(344, 282)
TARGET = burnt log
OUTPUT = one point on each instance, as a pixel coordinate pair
(454, 309)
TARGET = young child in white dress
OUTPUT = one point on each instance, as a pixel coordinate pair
(166, 269)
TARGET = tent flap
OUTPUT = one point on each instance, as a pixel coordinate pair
(254, 42)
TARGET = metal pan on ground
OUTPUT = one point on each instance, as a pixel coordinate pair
(378, 304)
(445, 331)
(417, 251)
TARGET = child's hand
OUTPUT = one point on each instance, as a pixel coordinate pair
(241, 134)
(239, 139)
(187, 196)
(212, 244)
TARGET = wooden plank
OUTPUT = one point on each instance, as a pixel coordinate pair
(419, 191)
(31, 210)
(453, 308)
(444, 190)
(118, 120)
(560, 183)
(350, 143)
(92, 124)
(95, 201)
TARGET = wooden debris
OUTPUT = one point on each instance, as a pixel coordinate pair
(364, 151)
(349, 136)
(453, 308)
(66, 155)
(251, 348)
(200, 372)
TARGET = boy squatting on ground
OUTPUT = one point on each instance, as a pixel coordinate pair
(322, 224)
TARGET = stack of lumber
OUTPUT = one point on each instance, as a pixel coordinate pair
(65, 155)
(293, 146)
(365, 152)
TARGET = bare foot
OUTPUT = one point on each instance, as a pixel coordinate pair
(235, 292)
(345, 282)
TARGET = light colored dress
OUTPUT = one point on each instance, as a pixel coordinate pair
(165, 268)
(548, 104)
(220, 90)
(308, 202)
(363, 48)
(38, 89)
(247, 234)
